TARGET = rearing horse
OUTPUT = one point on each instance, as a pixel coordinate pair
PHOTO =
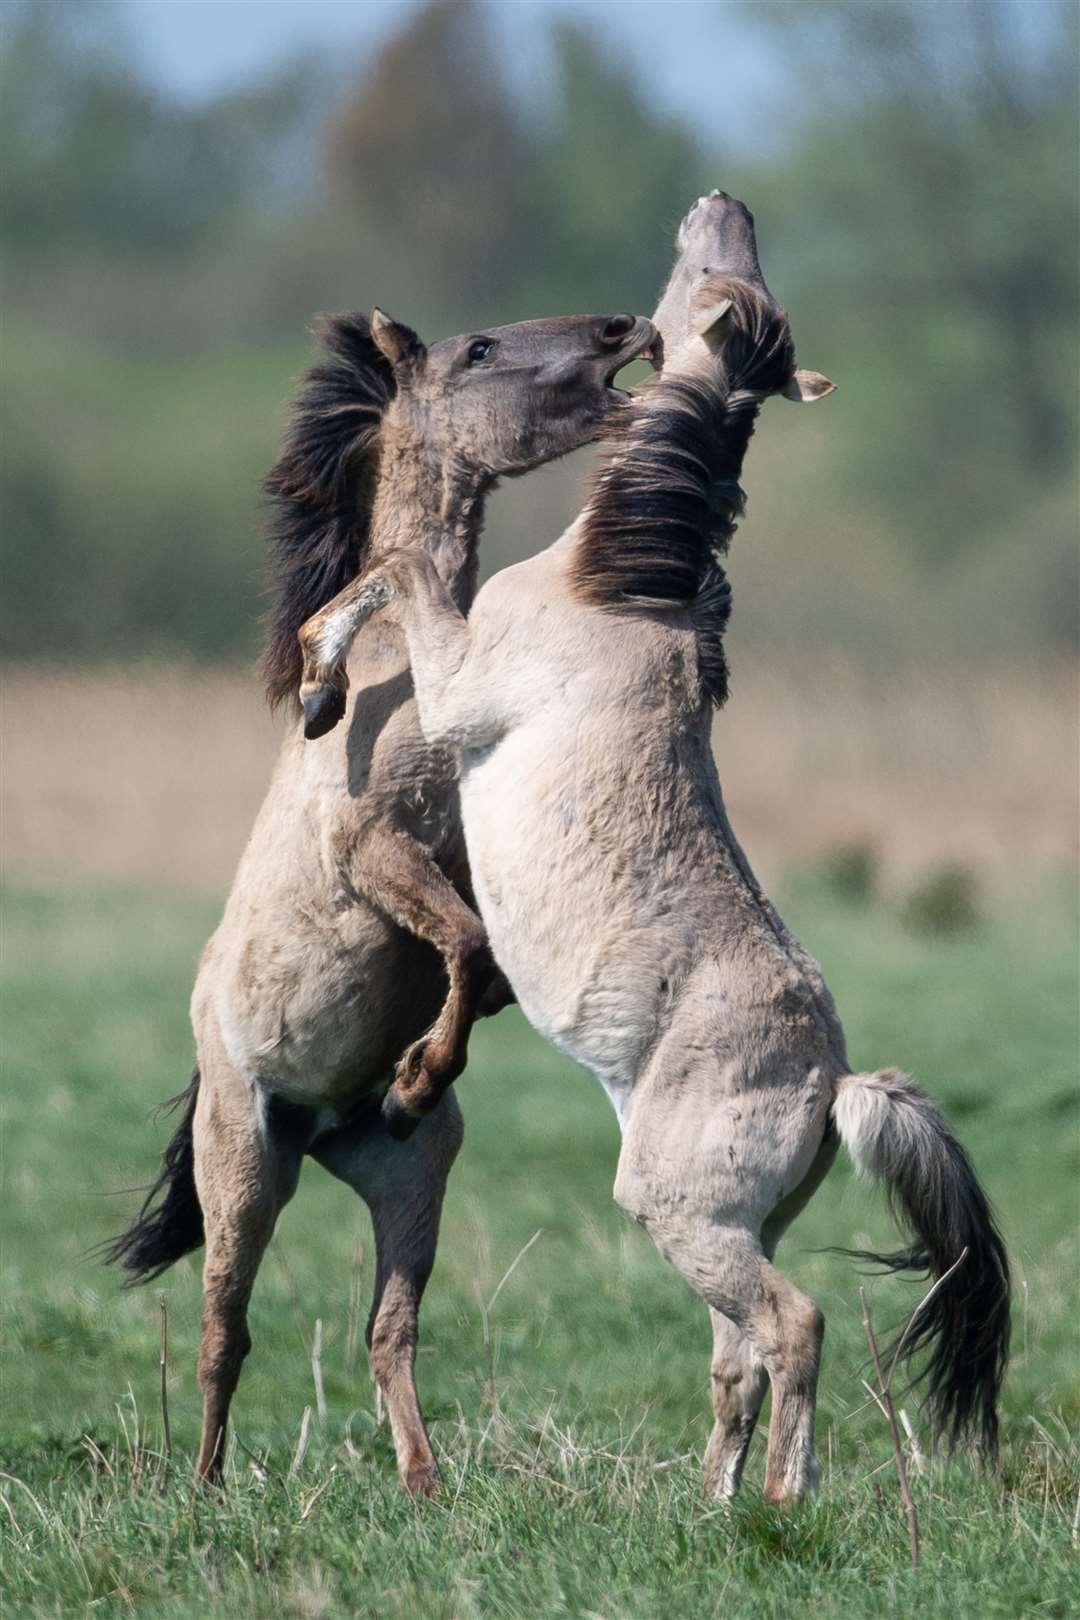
(349, 935)
(579, 696)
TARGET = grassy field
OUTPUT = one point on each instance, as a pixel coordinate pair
(571, 1439)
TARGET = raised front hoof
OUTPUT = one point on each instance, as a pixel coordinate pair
(400, 1120)
(323, 708)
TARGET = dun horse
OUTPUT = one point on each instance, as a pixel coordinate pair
(353, 893)
(579, 696)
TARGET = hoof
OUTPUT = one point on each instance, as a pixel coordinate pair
(323, 708)
(422, 1480)
(399, 1122)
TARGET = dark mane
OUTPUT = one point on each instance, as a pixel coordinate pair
(666, 504)
(321, 486)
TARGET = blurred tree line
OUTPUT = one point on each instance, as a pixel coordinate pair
(163, 261)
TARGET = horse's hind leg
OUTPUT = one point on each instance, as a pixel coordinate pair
(398, 874)
(246, 1170)
(699, 1228)
(783, 1330)
(403, 1186)
(787, 1328)
(739, 1382)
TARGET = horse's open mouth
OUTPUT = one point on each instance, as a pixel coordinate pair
(649, 346)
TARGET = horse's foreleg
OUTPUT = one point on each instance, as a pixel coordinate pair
(325, 640)
(436, 630)
(403, 1186)
(244, 1176)
(398, 874)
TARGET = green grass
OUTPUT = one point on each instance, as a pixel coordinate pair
(571, 1450)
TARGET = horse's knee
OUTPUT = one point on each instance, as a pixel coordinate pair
(730, 1387)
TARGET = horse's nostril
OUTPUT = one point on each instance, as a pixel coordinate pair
(617, 328)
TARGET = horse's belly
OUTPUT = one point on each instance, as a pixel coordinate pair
(584, 953)
(322, 1016)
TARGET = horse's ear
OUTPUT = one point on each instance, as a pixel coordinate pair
(806, 386)
(713, 322)
(399, 343)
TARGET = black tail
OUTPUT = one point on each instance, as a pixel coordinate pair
(894, 1131)
(170, 1223)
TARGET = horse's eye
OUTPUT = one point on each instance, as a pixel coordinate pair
(479, 350)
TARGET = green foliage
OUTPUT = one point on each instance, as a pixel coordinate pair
(916, 203)
(851, 872)
(610, 179)
(433, 151)
(929, 222)
(139, 535)
(571, 1451)
(521, 216)
(943, 902)
(94, 159)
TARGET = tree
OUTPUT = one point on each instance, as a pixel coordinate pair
(94, 158)
(929, 204)
(431, 151)
(611, 179)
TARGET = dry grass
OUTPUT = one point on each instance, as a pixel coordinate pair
(977, 765)
(152, 774)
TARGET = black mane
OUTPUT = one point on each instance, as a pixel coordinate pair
(665, 506)
(321, 486)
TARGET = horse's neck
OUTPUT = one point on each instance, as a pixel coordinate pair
(667, 499)
(435, 506)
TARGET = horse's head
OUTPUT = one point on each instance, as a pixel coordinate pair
(508, 398)
(716, 289)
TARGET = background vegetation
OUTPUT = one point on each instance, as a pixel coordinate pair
(914, 182)
(899, 756)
